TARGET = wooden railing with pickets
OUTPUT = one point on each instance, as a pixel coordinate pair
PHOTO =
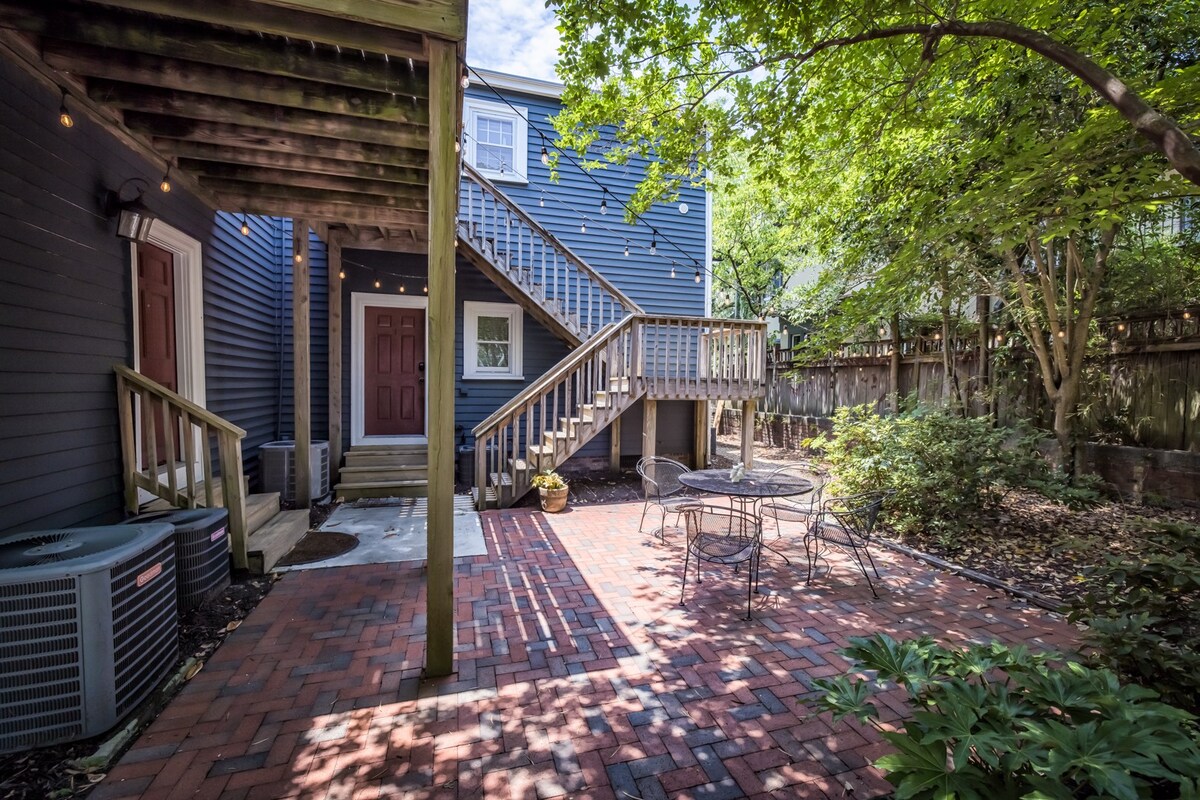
(182, 426)
(525, 253)
(661, 357)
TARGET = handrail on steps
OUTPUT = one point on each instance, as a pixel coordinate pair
(475, 177)
(179, 419)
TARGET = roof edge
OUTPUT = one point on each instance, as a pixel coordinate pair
(515, 83)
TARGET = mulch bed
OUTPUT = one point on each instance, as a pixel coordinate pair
(318, 546)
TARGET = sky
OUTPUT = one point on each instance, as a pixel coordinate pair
(513, 36)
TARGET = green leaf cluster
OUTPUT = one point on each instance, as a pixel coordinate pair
(945, 469)
(1143, 614)
(992, 722)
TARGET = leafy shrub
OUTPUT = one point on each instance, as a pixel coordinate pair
(1143, 615)
(945, 468)
(997, 722)
(548, 480)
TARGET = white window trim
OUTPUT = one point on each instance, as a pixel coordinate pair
(473, 108)
(358, 337)
(472, 311)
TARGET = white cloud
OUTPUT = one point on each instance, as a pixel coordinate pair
(514, 36)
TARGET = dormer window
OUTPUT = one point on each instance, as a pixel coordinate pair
(497, 140)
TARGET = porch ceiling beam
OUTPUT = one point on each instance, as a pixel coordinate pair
(285, 22)
(193, 42)
(353, 237)
(189, 105)
(445, 18)
(415, 202)
(184, 76)
(318, 211)
(254, 137)
(200, 152)
(403, 192)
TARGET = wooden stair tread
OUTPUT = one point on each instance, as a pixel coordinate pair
(276, 539)
(260, 509)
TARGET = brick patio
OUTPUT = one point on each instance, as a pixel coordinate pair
(579, 675)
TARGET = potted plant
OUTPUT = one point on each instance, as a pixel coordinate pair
(552, 489)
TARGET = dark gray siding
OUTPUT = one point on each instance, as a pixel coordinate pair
(243, 304)
(64, 308)
(645, 278)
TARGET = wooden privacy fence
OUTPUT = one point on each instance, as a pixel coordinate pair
(1146, 391)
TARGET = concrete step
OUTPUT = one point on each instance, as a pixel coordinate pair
(355, 491)
(261, 509)
(384, 472)
(276, 539)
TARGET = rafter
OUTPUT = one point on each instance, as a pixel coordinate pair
(417, 205)
(409, 195)
(202, 152)
(321, 211)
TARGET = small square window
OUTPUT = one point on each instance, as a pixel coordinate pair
(492, 341)
(497, 140)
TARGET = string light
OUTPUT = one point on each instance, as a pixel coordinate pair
(342, 274)
(402, 288)
(377, 283)
(627, 249)
(545, 156)
(672, 270)
(653, 245)
(425, 288)
(165, 186)
(64, 117)
(465, 81)
(683, 208)
(604, 202)
(542, 201)
(583, 228)
(457, 146)
(1062, 334)
(299, 259)
(698, 278)
(1187, 315)
(245, 227)
(1121, 326)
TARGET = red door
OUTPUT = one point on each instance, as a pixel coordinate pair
(394, 372)
(156, 328)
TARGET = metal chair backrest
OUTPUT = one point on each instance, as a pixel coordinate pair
(661, 476)
(810, 472)
(856, 514)
(721, 521)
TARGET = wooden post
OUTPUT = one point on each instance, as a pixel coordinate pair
(700, 447)
(748, 433)
(335, 359)
(443, 204)
(649, 428)
(894, 371)
(614, 446)
(301, 363)
(233, 497)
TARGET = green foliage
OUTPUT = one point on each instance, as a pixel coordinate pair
(945, 468)
(548, 480)
(993, 722)
(1143, 613)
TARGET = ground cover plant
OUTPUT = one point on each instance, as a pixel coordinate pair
(995, 722)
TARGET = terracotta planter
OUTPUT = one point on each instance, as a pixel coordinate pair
(553, 500)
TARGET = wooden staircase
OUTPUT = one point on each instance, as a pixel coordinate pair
(384, 471)
(530, 265)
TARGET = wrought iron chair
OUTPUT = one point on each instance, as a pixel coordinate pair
(846, 523)
(802, 510)
(718, 535)
(660, 480)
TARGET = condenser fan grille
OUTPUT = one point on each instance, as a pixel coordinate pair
(52, 547)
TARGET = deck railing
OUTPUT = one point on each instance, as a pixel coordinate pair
(532, 257)
(182, 426)
(661, 357)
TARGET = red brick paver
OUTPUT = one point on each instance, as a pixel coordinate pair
(579, 675)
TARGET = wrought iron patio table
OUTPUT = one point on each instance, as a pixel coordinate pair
(754, 486)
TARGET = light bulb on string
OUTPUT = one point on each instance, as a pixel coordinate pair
(377, 283)
(604, 203)
(342, 274)
(627, 249)
(583, 228)
(402, 289)
(672, 270)
(457, 146)
(245, 226)
(465, 81)
(425, 288)
(542, 201)
(653, 245)
(165, 186)
(683, 208)
(545, 156)
(64, 117)
(698, 278)
(299, 259)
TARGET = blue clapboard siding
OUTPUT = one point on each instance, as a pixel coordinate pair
(318, 338)
(65, 308)
(243, 308)
(645, 278)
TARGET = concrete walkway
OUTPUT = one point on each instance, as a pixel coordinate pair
(579, 674)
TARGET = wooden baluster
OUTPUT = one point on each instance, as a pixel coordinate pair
(481, 445)
(148, 436)
(128, 442)
(169, 433)
(210, 500)
(189, 458)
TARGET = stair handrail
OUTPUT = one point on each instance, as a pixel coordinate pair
(486, 185)
(178, 414)
(557, 373)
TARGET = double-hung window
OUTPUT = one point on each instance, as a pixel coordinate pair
(497, 140)
(491, 341)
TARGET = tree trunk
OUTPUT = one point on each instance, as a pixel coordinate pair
(894, 369)
(1066, 407)
(983, 310)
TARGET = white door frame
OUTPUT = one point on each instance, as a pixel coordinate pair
(189, 324)
(358, 304)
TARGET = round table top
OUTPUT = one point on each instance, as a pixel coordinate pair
(755, 483)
